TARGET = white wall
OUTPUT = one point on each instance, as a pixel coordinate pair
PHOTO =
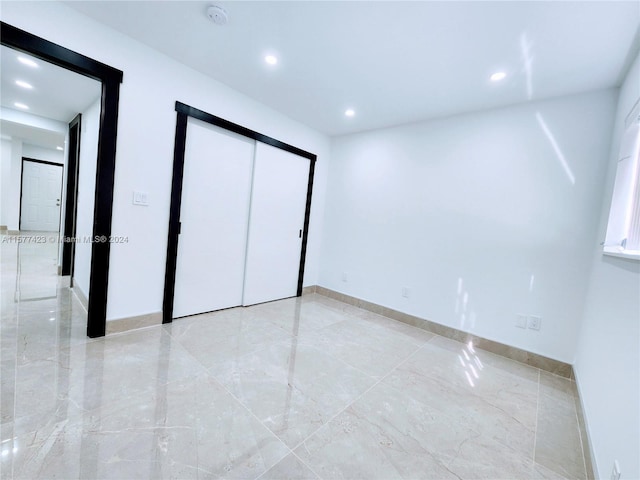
(152, 84)
(5, 179)
(477, 215)
(607, 363)
(12, 211)
(40, 153)
(86, 196)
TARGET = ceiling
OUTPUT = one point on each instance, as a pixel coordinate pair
(57, 94)
(41, 137)
(392, 62)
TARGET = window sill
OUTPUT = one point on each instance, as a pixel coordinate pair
(620, 253)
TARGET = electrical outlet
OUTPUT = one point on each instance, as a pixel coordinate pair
(406, 292)
(535, 322)
(521, 320)
(615, 473)
(345, 277)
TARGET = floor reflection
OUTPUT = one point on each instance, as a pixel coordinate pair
(298, 388)
(36, 267)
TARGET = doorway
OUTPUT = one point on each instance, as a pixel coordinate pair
(110, 79)
(240, 202)
(40, 195)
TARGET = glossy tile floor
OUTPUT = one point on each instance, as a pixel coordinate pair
(298, 388)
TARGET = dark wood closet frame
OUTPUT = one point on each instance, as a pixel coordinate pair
(183, 113)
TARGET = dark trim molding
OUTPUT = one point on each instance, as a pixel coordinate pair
(239, 129)
(174, 217)
(20, 205)
(103, 210)
(305, 230)
(63, 57)
(111, 78)
(71, 201)
(45, 162)
(183, 113)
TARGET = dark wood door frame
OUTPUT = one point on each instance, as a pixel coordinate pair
(183, 113)
(111, 79)
(71, 202)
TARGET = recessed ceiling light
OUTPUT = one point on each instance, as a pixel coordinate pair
(349, 112)
(496, 77)
(21, 105)
(22, 84)
(27, 61)
(59, 148)
(271, 60)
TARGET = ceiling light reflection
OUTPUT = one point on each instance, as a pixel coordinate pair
(469, 370)
(478, 362)
(23, 84)
(527, 60)
(469, 379)
(28, 62)
(556, 148)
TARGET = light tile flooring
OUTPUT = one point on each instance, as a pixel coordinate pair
(295, 389)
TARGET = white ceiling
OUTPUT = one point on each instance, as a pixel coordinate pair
(57, 93)
(392, 62)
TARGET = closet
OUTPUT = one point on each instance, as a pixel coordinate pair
(239, 218)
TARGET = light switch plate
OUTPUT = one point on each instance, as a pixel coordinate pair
(140, 198)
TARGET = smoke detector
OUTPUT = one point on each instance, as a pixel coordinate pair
(217, 15)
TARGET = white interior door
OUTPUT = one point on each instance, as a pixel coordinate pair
(278, 203)
(41, 195)
(216, 192)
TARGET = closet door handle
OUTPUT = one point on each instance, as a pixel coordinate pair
(300, 234)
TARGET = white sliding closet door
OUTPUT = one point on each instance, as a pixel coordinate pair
(216, 191)
(278, 201)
